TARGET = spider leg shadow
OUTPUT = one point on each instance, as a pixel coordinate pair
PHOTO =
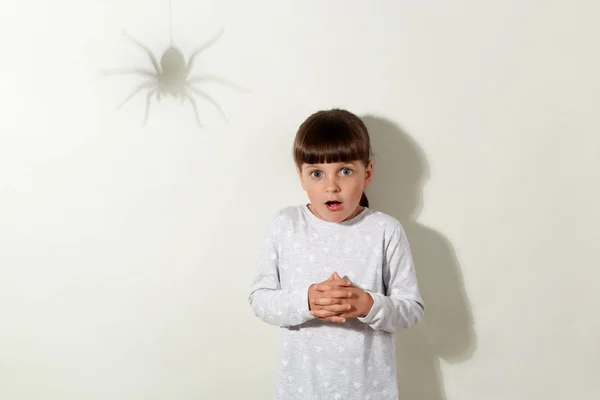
(148, 105)
(207, 97)
(218, 79)
(147, 50)
(200, 49)
(188, 96)
(135, 91)
(128, 71)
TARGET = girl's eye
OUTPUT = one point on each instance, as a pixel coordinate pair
(344, 171)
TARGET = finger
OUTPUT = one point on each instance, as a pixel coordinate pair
(337, 277)
(335, 294)
(331, 297)
(323, 313)
(348, 314)
(340, 281)
(331, 285)
(328, 301)
(337, 308)
(334, 319)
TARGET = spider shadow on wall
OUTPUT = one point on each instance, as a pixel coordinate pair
(446, 331)
(172, 77)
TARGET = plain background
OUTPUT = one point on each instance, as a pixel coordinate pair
(126, 252)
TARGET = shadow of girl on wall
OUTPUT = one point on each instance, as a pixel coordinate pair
(446, 331)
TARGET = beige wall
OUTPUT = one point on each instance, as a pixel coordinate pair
(126, 253)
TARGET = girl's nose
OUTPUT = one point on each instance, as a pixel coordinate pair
(332, 186)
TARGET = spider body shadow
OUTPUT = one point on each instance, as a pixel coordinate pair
(172, 77)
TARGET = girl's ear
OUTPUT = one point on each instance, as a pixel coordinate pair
(368, 173)
(299, 172)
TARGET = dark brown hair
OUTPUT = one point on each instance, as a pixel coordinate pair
(331, 136)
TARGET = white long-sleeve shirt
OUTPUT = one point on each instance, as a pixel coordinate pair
(326, 360)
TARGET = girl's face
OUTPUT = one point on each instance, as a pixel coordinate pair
(341, 182)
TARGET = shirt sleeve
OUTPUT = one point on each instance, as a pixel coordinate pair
(401, 306)
(271, 303)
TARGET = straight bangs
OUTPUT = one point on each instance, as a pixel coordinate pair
(331, 136)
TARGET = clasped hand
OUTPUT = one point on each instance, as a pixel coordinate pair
(336, 300)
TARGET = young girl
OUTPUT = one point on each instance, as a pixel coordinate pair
(335, 275)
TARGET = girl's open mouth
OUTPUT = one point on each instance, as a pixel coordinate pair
(333, 205)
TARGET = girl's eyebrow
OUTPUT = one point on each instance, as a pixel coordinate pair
(315, 165)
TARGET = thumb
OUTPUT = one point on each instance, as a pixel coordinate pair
(331, 277)
(336, 276)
